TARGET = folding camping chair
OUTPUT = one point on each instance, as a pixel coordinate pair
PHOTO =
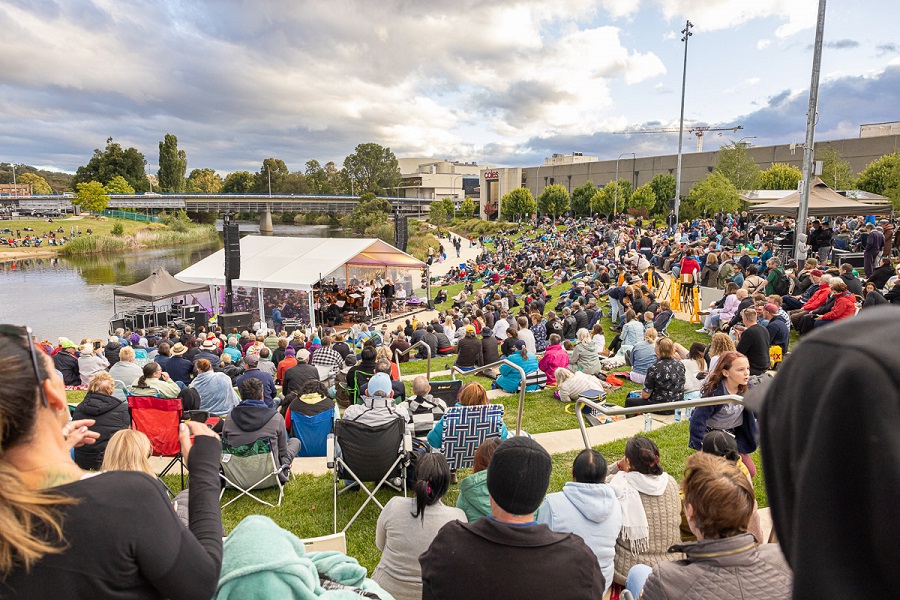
(466, 428)
(250, 467)
(538, 378)
(364, 453)
(312, 431)
(360, 378)
(158, 419)
(446, 390)
(141, 357)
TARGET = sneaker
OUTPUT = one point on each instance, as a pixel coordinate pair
(703, 330)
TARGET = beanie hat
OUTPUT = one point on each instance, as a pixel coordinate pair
(816, 273)
(518, 475)
(771, 307)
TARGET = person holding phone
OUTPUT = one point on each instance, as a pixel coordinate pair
(53, 543)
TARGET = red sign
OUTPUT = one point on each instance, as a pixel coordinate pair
(488, 175)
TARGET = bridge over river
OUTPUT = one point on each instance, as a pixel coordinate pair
(264, 204)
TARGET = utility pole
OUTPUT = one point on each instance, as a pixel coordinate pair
(686, 34)
(808, 150)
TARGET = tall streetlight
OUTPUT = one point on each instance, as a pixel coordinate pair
(15, 187)
(746, 137)
(269, 171)
(453, 191)
(686, 34)
(616, 201)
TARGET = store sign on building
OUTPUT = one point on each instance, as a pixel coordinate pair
(491, 175)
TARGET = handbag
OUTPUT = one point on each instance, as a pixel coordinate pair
(687, 278)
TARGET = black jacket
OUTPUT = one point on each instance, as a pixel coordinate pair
(67, 364)
(111, 415)
(581, 320)
(296, 376)
(536, 563)
(490, 350)
(854, 285)
(806, 428)
(111, 352)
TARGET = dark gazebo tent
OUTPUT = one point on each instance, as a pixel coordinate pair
(161, 285)
(823, 202)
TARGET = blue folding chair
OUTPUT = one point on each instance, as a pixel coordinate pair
(312, 431)
(466, 428)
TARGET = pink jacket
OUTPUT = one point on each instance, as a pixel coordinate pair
(554, 358)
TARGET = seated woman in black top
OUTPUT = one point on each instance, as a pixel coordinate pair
(75, 547)
(109, 413)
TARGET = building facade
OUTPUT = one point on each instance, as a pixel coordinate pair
(496, 182)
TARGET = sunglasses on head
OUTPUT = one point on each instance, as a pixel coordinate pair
(17, 331)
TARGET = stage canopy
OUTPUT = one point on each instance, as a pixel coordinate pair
(296, 263)
(159, 286)
(823, 202)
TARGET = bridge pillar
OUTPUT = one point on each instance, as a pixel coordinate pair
(265, 222)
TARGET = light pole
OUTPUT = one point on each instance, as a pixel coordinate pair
(746, 137)
(15, 187)
(616, 201)
(686, 34)
(453, 191)
(269, 171)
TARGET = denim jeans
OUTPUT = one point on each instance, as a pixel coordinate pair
(616, 310)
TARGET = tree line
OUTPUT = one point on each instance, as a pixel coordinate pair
(735, 172)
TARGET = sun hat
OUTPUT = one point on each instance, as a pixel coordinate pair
(178, 349)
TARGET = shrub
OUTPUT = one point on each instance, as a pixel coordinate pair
(117, 229)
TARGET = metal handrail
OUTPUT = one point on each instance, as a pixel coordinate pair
(582, 402)
(420, 344)
(454, 369)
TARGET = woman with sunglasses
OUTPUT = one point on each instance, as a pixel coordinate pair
(66, 533)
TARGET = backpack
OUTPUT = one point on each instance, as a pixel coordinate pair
(782, 285)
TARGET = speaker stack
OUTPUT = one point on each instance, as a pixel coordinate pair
(401, 231)
(239, 320)
(232, 250)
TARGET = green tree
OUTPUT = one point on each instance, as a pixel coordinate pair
(91, 196)
(736, 165)
(554, 200)
(581, 198)
(836, 172)
(613, 196)
(118, 185)
(517, 202)
(373, 168)
(643, 198)
(371, 210)
(882, 176)
(663, 186)
(274, 169)
(172, 165)
(437, 213)
(318, 179)
(715, 193)
(449, 206)
(294, 183)
(780, 176)
(239, 182)
(106, 164)
(39, 185)
(467, 208)
(204, 181)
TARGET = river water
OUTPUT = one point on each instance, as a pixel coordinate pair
(73, 297)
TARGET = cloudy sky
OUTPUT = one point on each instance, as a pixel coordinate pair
(506, 81)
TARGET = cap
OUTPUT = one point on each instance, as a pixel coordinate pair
(770, 307)
(178, 349)
(379, 385)
(519, 344)
(251, 359)
(470, 329)
(816, 273)
(303, 354)
(66, 343)
(518, 475)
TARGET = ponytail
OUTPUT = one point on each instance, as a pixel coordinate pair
(524, 353)
(432, 481)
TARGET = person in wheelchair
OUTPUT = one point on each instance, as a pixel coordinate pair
(253, 419)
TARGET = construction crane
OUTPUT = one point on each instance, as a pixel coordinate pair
(699, 131)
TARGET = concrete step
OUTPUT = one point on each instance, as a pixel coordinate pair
(556, 442)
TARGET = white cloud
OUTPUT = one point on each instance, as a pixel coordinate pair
(763, 44)
(711, 15)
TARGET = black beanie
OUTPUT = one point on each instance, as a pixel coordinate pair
(518, 475)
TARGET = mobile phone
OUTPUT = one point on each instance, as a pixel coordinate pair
(97, 344)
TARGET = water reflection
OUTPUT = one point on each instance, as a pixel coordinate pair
(72, 296)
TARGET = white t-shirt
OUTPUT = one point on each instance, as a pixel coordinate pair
(599, 341)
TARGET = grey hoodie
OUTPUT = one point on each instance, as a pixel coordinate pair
(591, 511)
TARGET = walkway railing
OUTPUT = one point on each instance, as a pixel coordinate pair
(665, 406)
(419, 344)
(519, 414)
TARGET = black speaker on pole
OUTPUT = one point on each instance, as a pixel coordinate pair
(401, 231)
(239, 320)
(232, 250)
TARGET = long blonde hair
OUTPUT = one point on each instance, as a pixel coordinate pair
(128, 450)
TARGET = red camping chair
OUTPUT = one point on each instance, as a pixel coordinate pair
(158, 419)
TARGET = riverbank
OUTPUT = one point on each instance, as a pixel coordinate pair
(90, 235)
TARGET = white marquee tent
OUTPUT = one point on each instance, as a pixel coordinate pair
(269, 262)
